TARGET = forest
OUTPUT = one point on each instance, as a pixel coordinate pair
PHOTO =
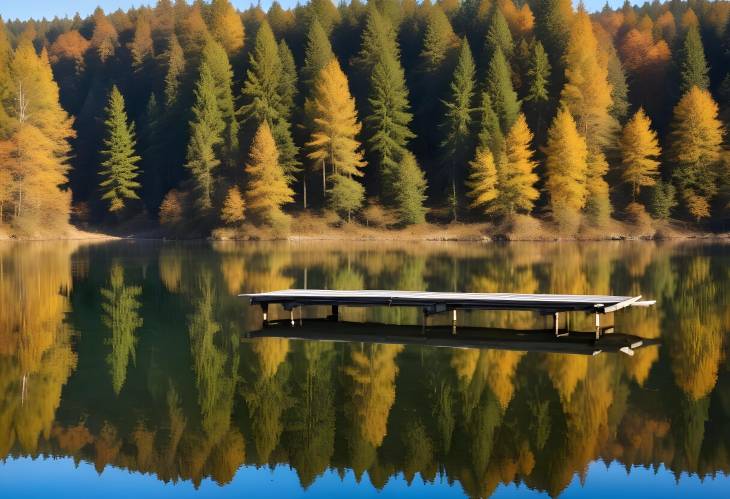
(387, 113)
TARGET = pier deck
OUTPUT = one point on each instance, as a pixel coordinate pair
(437, 302)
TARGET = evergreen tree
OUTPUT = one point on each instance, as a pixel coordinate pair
(538, 85)
(288, 81)
(317, 54)
(490, 133)
(267, 189)
(262, 85)
(502, 94)
(693, 65)
(215, 58)
(639, 152)
(619, 88)
(333, 140)
(662, 200)
(498, 36)
(388, 120)
(438, 40)
(264, 99)
(153, 173)
(410, 191)
(119, 170)
(696, 140)
(458, 141)
(206, 136)
(346, 195)
(566, 168)
(175, 60)
(482, 181)
(516, 176)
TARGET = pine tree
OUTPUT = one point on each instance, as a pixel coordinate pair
(288, 150)
(490, 133)
(482, 181)
(119, 170)
(234, 207)
(619, 88)
(693, 66)
(566, 168)
(267, 189)
(538, 84)
(696, 141)
(662, 200)
(206, 136)
(587, 93)
(388, 120)
(175, 69)
(501, 92)
(288, 81)
(263, 99)
(516, 176)
(438, 40)
(317, 54)
(215, 58)
(639, 152)
(346, 195)
(410, 191)
(458, 141)
(498, 36)
(226, 26)
(333, 141)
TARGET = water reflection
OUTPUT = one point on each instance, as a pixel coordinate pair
(135, 355)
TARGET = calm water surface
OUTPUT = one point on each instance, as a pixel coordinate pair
(134, 369)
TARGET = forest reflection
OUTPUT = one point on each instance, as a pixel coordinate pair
(133, 355)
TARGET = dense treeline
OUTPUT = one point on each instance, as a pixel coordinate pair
(478, 110)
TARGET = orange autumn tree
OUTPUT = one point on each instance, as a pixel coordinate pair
(35, 152)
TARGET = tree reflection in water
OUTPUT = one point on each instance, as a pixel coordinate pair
(201, 400)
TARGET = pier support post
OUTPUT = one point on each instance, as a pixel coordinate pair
(335, 315)
(291, 316)
(556, 325)
(598, 326)
(453, 322)
(265, 312)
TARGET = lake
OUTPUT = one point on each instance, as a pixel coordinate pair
(133, 368)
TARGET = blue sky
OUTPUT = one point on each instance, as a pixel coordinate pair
(23, 9)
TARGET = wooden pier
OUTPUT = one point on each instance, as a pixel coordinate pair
(436, 302)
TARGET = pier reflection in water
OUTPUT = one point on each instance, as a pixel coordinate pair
(140, 357)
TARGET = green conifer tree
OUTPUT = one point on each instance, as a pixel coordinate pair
(498, 36)
(317, 54)
(490, 133)
(119, 170)
(215, 57)
(458, 141)
(206, 135)
(410, 192)
(693, 65)
(501, 92)
(538, 87)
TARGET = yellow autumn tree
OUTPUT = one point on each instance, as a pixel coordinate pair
(516, 175)
(587, 93)
(482, 181)
(267, 189)
(234, 207)
(226, 25)
(566, 167)
(696, 144)
(639, 152)
(333, 141)
(37, 148)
